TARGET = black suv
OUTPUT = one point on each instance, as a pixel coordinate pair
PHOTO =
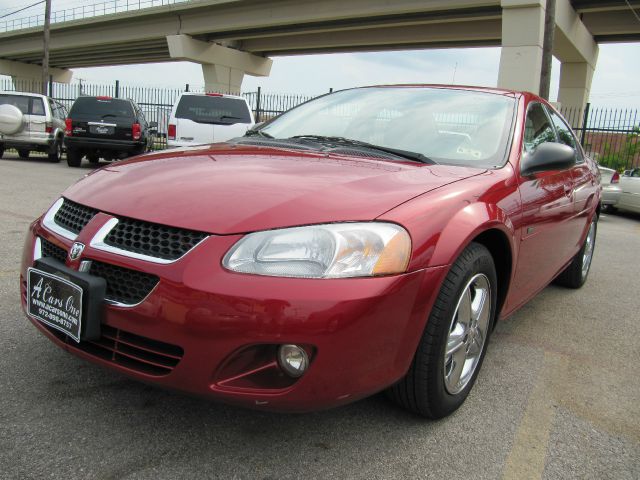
(105, 127)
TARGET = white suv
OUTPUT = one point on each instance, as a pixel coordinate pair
(201, 118)
(31, 122)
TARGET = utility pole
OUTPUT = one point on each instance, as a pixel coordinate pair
(547, 48)
(45, 58)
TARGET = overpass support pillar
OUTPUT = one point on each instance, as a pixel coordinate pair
(522, 37)
(28, 77)
(575, 84)
(223, 68)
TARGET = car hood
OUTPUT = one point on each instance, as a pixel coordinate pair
(226, 189)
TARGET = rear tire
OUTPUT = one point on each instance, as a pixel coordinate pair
(575, 275)
(74, 157)
(453, 345)
(1, 151)
(24, 154)
(56, 155)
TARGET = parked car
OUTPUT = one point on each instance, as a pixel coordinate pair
(366, 240)
(630, 195)
(199, 118)
(611, 191)
(106, 127)
(31, 122)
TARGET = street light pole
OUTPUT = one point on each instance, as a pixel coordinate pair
(547, 48)
(45, 58)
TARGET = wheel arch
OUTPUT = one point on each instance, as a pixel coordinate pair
(491, 227)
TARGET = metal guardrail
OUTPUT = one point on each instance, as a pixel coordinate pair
(84, 11)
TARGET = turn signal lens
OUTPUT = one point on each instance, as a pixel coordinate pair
(395, 257)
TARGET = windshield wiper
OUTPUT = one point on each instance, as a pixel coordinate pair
(415, 156)
(108, 115)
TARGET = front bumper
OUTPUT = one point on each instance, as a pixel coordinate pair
(362, 333)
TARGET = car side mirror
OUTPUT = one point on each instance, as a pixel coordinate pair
(548, 156)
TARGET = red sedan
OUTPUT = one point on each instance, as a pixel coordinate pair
(366, 240)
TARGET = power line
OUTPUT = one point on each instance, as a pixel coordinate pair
(633, 10)
(24, 8)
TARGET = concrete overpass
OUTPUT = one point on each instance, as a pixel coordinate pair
(231, 38)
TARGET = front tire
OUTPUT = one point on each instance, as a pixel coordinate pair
(453, 345)
(575, 275)
(74, 157)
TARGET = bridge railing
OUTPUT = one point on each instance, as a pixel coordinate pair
(83, 11)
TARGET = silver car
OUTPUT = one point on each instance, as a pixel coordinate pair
(611, 191)
(630, 186)
(31, 122)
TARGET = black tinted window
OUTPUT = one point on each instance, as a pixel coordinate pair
(537, 128)
(209, 109)
(102, 107)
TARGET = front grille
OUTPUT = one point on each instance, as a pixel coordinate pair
(124, 285)
(152, 239)
(73, 216)
(51, 250)
(129, 350)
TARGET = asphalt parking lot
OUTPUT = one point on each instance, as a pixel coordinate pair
(558, 395)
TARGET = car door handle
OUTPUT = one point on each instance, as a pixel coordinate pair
(568, 190)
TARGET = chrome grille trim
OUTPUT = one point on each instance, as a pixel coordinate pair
(49, 222)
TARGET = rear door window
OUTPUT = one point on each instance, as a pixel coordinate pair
(37, 106)
(214, 110)
(102, 108)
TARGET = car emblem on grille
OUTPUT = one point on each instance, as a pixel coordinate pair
(76, 250)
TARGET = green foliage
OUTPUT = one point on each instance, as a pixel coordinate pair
(625, 156)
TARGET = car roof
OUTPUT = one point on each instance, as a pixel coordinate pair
(498, 91)
(24, 94)
(213, 94)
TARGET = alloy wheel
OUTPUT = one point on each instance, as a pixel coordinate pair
(467, 334)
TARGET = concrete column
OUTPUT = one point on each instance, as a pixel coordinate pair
(522, 37)
(222, 79)
(28, 77)
(223, 68)
(575, 84)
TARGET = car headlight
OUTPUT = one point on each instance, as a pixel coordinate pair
(337, 250)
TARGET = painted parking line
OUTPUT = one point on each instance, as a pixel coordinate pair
(526, 460)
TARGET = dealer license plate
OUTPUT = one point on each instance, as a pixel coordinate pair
(102, 130)
(55, 301)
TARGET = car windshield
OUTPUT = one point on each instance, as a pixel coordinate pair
(101, 107)
(213, 109)
(449, 126)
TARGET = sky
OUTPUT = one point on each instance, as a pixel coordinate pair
(615, 84)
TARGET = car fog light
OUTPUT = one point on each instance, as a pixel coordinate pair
(293, 360)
